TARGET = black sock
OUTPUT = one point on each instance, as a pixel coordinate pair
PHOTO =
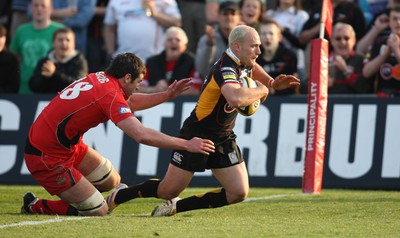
(141, 190)
(211, 199)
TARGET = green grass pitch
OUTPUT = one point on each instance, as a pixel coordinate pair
(267, 213)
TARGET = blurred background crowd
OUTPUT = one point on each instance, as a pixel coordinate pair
(47, 44)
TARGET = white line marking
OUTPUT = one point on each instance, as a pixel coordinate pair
(267, 197)
(32, 223)
(61, 219)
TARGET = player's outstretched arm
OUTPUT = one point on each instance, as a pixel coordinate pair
(132, 127)
(141, 101)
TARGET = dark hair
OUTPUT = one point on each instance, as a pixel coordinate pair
(394, 9)
(296, 4)
(63, 30)
(262, 9)
(271, 22)
(3, 30)
(126, 63)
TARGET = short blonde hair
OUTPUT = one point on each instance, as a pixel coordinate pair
(180, 31)
(238, 33)
(341, 25)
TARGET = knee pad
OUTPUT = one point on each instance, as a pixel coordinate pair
(91, 204)
(101, 173)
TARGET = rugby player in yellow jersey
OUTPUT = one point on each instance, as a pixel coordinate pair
(213, 118)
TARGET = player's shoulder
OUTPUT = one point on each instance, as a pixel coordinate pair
(226, 69)
(100, 77)
(226, 64)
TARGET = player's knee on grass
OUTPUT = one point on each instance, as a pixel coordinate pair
(236, 196)
(104, 177)
(167, 193)
(94, 205)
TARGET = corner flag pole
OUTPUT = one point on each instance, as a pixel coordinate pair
(317, 105)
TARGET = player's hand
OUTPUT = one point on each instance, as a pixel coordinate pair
(284, 81)
(203, 146)
(178, 87)
(259, 84)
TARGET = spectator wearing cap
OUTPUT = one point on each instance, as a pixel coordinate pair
(215, 41)
(9, 66)
(212, 7)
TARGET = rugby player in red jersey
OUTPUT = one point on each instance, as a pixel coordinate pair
(65, 166)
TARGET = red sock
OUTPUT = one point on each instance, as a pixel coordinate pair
(53, 207)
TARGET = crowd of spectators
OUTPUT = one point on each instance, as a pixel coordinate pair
(276, 58)
(61, 66)
(183, 38)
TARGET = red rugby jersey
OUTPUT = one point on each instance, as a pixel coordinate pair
(82, 105)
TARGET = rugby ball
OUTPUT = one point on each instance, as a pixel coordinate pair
(253, 107)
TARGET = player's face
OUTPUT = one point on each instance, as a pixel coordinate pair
(64, 45)
(249, 49)
(131, 85)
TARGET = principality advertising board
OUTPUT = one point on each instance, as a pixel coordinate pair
(362, 149)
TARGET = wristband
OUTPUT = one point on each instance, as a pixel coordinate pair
(270, 82)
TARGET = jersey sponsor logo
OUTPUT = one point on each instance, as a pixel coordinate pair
(72, 93)
(228, 108)
(230, 76)
(60, 180)
(224, 69)
(244, 73)
(386, 71)
(124, 109)
(228, 73)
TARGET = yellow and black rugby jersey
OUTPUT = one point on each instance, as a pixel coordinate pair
(212, 112)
